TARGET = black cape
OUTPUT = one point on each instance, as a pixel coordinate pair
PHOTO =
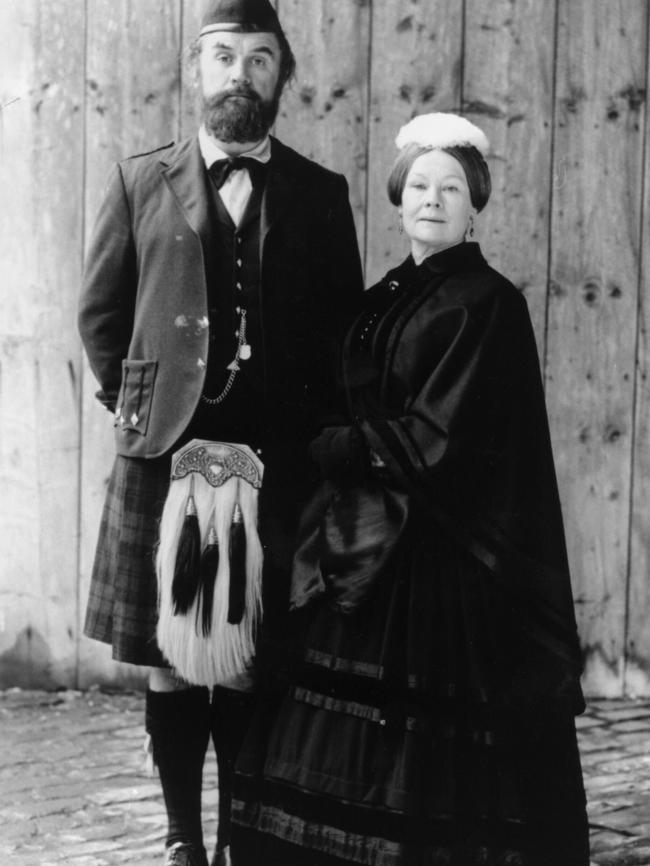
(457, 418)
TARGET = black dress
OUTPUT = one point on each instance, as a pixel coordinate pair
(430, 717)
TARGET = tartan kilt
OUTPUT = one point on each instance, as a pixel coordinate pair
(122, 607)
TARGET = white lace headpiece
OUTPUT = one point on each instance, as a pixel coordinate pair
(442, 130)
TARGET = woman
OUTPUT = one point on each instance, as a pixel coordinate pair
(430, 719)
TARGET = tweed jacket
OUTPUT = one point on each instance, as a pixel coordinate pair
(143, 314)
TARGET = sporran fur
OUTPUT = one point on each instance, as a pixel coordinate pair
(223, 480)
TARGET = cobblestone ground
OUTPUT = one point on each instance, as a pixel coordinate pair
(74, 786)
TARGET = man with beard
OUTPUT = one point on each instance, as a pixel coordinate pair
(220, 274)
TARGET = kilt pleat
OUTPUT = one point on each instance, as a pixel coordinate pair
(123, 598)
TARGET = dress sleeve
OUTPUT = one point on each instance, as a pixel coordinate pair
(453, 405)
(107, 301)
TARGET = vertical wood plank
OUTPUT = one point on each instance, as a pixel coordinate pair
(415, 67)
(593, 307)
(324, 113)
(190, 94)
(508, 92)
(637, 673)
(132, 106)
(41, 145)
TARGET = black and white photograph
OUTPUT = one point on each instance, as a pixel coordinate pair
(324, 433)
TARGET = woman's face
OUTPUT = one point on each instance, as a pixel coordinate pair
(436, 204)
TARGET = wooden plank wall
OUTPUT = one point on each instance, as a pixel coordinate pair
(41, 219)
(560, 89)
(591, 339)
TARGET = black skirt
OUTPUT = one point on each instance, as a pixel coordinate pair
(122, 607)
(408, 737)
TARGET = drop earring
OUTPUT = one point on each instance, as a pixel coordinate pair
(400, 225)
(469, 231)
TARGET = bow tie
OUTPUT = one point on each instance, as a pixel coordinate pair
(221, 169)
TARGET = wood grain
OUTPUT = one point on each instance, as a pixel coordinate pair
(416, 64)
(593, 309)
(40, 234)
(637, 638)
(324, 112)
(190, 94)
(508, 92)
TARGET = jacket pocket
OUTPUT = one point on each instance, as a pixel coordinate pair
(136, 393)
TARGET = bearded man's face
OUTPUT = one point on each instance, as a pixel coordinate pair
(240, 81)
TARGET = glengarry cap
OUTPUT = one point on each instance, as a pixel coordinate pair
(241, 16)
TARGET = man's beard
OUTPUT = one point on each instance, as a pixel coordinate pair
(245, 118)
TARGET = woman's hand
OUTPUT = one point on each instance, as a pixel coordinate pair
(340, 453)
(375, 460)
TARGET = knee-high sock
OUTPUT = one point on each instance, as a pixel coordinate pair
(231, 716)
(179, 725)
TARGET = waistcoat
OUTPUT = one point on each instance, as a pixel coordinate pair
(233, 284)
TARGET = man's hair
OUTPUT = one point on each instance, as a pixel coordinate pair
(474, 165)
(287, 59)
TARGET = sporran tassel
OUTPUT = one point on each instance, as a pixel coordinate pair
(237, 596)
(207, 578)
(188, 558)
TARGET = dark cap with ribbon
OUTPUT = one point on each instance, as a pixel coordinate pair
(242, 16)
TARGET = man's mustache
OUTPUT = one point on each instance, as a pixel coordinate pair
(218, 99)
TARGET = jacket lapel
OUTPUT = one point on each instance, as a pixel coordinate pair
(184, 173)
(183, 170)
(281, 189)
